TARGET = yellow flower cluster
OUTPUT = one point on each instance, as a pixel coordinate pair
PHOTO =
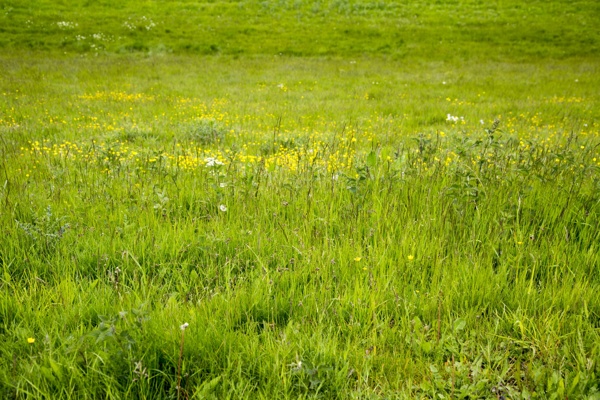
(117, 96)
(129, 134)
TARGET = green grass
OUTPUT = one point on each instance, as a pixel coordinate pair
(345, 199)
(447, 30)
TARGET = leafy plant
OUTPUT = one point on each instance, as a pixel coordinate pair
(45, 230)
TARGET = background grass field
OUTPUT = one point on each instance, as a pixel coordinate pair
(343, 199)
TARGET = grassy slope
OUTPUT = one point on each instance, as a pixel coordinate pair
(441, 30)
(397, 274)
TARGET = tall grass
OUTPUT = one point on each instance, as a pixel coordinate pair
(412, 221)
(403, 273)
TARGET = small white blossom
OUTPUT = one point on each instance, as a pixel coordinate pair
(296, 365)
(100, 37)
(223, 207)
(212, 161)
(184, 326)
(67, 25)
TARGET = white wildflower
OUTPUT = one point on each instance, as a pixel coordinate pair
(184, 326)
(223, 207)
(67, 25)
(212, 161)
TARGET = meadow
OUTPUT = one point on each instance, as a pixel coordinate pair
(282, 199)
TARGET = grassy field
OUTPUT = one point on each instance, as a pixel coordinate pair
(448, 30)
(284, 199)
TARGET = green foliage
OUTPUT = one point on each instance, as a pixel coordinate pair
(205, 132)
(343, 199)
(44, 231)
